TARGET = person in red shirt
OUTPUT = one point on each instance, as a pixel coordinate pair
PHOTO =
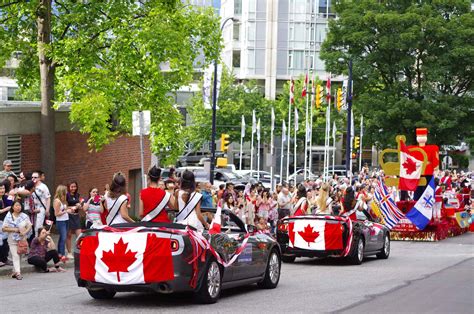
(154, 200)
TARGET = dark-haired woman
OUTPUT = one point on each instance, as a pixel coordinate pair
(349, 201)
(189, 203)
(93, 209)
(74, 207)
(301, 206)
(153, 200)
(42, 251)
(18, 226)
(116, 201)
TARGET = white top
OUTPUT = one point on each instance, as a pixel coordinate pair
(116, 203)
(65, 216)
(192, 220)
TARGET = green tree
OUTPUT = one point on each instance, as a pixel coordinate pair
(108, 58)
(234, 101)
(412, 66)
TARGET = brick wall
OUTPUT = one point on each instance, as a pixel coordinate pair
(89, 169)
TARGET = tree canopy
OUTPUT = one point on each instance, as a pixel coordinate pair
(412, 65)
(110, 58)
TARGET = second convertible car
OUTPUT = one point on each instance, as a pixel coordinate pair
(332, 236)
(168, 258)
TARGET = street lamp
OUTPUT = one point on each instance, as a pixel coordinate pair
(214, 105)
(349, 116)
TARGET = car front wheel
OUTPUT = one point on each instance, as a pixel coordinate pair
(272, 273)
(211, 285)
(385, 252)
(101, 294)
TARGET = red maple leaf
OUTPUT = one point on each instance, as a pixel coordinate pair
(308, 234)
(409, 165)
(119, 260)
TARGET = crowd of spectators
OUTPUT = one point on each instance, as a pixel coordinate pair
(27, 208)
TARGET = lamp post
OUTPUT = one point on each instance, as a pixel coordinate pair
(214, 105)
(349, 117)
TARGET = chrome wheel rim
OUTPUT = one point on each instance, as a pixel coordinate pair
(274, 268)
(387, 246)
(360, 250)
(213, 280)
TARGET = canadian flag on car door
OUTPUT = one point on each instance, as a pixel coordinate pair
(126, 258)
(315, 235)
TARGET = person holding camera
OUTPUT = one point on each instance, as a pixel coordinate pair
(42, 251)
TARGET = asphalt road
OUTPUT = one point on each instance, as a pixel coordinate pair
(417, 278)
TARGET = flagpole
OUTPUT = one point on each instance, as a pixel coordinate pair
(295, 144)
(242, 135)
(360, 142)
(306, 132)
(271, 147)
(310, 153)
(283, 134)
(334, 145)
(258, 150)
(251, 144)
(289, 133)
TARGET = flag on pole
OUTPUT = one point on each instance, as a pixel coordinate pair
(308, 131)
(334, 130)
(215, 227)
(292, 91)
(254, 122)
(328, 89)
(258, 130)
(410, 170)
(420, 215)
(242, 129)
(390, 211)
(283, 131)
(305, 86)
(296, 120)
(273, 119)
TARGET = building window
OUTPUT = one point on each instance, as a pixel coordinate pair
(236, 59)
(236, 31)
(11, 93)
(290, 61)
(237, 7)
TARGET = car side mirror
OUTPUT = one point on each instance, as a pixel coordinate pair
(251, 229)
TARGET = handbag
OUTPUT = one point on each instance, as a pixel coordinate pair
(22, 247)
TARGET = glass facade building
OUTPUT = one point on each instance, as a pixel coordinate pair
(275, 39)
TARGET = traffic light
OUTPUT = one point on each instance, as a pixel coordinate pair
(356, 142)
(224, 142)
(319, 95)
(339, 99)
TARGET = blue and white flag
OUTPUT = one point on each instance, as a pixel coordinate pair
(421, 214)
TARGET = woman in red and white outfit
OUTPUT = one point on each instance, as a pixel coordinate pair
(302, 205)
(446, 180)
(154, 200)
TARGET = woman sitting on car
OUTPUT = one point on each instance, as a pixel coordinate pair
(189, 203)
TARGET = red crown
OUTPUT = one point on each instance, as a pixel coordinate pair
(421, 132)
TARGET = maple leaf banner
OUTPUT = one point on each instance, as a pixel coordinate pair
(410, 170)
(316, 235)
(126, 258)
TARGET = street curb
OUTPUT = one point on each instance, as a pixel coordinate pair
(27, 268)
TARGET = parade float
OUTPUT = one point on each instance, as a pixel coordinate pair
(449, 217)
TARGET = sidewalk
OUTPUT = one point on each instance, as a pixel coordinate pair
(27, 268)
